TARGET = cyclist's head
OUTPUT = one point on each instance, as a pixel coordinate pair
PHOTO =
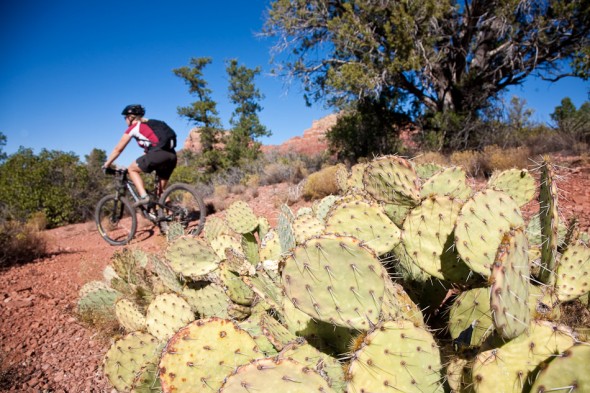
(133, 110)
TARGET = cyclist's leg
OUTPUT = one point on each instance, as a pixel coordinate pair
(134, 172)
(166, 166)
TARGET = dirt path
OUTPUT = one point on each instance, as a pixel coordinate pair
(45, 348)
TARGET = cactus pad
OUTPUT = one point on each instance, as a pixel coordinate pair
(166, 314)
(192, 257)
(507, 369)
(573, 273)
(518, 183)
(273, 375)
(427, 237)
(365, 221)
(306, 226)
(241, 218)
(129, 315)
(568, 372)
(448, 182)
(470, 318)
(127, 356)
(337, 280)
(392, 179)
(396, 356)
(200, 355)
(509, 293)
(481, 226)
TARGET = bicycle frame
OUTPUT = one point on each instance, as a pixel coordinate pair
(125, 185)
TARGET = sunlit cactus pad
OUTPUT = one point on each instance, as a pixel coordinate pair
(399, 357)
(427, 238)
(506, 369)
(365, 221)
(392, 179)
(275, 375)
(481, 226)
(166, 314)
(573, 273)
(509, 293)
(192, 257)
(566, 373)
(241, 218)
(203, 353)
(450, 182)
(518, 183)
(337, 280)
(127, 356)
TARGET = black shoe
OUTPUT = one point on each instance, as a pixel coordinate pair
(142, 201)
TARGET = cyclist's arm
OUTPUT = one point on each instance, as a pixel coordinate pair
(118, 149)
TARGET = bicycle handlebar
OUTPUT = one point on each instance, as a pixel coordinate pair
(111, 171)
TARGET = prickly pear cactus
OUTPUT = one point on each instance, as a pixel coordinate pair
(241, 218)
(166, 314)
(392, 179)
(207, 300)
(337, 280)
(215, 226)
(507, 369)
(328, 367)
(396, 356)
(448, 182)
(272, 375)
(200, 355)
(306, 226)
(481, 226)
(97, 296)
(192, 257)
(518, 183)
(509, 293)
(365, 221)
(127, 356)
(573, 273)
(129, 315)
(276, 333)
(470, 319)
(427, 237)
(549, 223)
(568, 372)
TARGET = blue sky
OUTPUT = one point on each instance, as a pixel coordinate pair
(69, 67)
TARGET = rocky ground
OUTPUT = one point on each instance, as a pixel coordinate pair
(45, 347)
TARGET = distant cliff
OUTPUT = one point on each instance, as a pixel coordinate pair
(312, 142)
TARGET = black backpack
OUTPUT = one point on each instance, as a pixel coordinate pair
(166, 135)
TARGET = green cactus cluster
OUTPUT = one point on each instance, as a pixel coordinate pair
(409, 280)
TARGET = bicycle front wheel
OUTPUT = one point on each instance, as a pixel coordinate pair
(184, 205)
(116, 220)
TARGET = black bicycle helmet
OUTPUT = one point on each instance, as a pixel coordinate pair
(134, 109)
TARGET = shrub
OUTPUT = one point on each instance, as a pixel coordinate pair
(469, 160)
(431, 157)
(321, 184)
(498, 159)
(20, 243)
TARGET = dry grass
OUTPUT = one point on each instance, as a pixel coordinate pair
(431, 157)
(21, 243)
(321, 184)
(469, 160)
(495, 158)
(104, 323)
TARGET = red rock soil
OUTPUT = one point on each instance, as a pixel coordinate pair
(44, 347)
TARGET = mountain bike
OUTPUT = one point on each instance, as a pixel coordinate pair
(116, 218)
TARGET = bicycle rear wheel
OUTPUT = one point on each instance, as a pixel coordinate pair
(183, 204)
(116, 220)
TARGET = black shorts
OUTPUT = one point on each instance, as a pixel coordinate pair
(161, 161)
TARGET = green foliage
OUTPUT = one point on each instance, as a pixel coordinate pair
(366, 131)
(573, 123)
(53, 182)
(241, 144)
(2, 144)
(445, 57)
(203, 113)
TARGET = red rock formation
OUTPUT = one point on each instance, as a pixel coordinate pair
(312, 142)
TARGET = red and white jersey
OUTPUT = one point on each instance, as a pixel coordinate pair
(143, 134)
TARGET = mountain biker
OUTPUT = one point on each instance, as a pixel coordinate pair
(158, 141)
